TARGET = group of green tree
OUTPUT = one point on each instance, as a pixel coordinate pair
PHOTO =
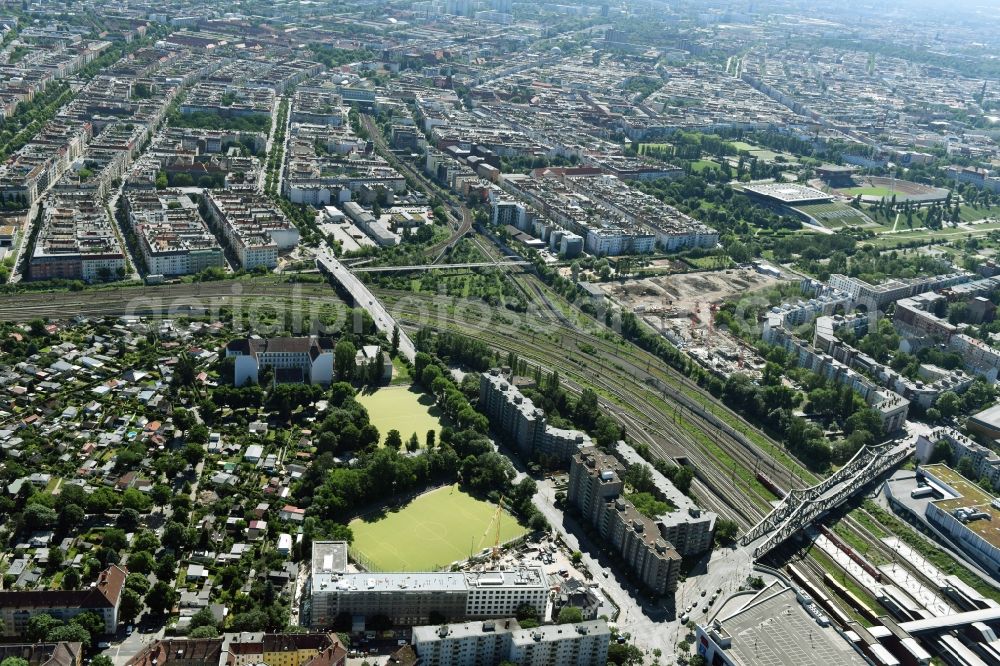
(82, 628)
(275, 160)
(333, 57)
(258, 122)
(770, 404)
(583, 412)
(822, 258)
(488, 284)
(185, 179)
(455, 348)
(334, 493)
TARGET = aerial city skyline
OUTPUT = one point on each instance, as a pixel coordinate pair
(493, 333)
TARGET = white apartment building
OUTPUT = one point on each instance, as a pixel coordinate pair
(492, 642)
(412, 598)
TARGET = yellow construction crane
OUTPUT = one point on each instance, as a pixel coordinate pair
(495, 520)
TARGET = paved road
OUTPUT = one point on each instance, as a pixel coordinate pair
(363, 297)
(121, 652)
(644, 619)
(653, 625)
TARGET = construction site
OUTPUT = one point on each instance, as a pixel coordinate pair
(682, 308)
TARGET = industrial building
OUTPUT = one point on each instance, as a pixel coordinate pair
(775, 626)
(966, 513)
(986, 422)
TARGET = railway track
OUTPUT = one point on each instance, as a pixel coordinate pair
(652, 370)
(646, 370)
(436, 251)
(630, 381)
(646, 422)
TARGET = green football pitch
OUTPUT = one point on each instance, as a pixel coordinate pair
(871, 191)
(437, 528)
(402, 408)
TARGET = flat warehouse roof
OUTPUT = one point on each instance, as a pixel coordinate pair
(775, 629)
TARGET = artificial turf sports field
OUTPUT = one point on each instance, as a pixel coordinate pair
(435, 529)
(402, 408)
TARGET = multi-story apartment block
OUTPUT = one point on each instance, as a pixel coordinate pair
(171, 235)
(44, 654)
(244, 649)
(916, 320)
(610, 216)
(492, 642)
(294, 360)
(319, 106)
(228, 100)
(251, 649)
(595, 490)
(985, 461)
(43, 161)
(414, 598)
(892, 290)
(891, 407)
(505, 211)
(103, 598)
(516, 419)
(925, 391)
(252, 226)
(688, 528)
(581, 644)
(470, 643)
(76, 241)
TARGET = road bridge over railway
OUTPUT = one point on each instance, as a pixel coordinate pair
(350, 283)
(800, 508)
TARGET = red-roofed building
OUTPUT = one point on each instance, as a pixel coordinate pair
(294, 513)
(103, 597)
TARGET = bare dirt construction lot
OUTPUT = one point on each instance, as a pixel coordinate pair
(689, 293)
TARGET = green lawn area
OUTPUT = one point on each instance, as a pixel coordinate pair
(743, 145)
(771, 156)
(891, 240)
(439, 527)
(969, 214)
(402, 408)
(869, 191)
(401, 374)
(710, 262)
(701, 165)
